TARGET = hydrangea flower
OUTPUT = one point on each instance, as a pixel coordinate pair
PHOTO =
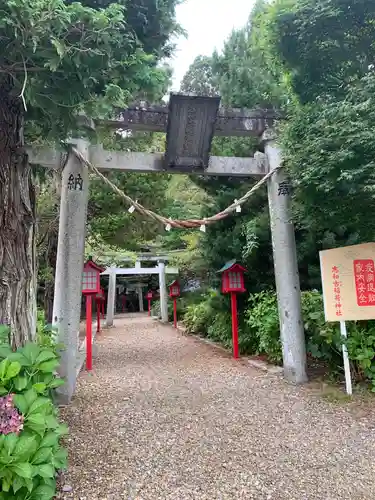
(10, 419)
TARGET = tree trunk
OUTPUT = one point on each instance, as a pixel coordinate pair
(17, 222)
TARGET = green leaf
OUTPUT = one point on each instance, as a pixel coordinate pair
(13, 370)
(57, 382)
(49, 366)
(3, 368)
(21, 403)
(49, 481)
(60, 459)
(42, 455)
(51, 422)
(5, 351)
(6, 483)
(20, 383)
(25, 447)
(29, 483)
(31, 395)
(50, 439)
(59, 46)
(43, 492)
(45, 355)
(10, 442)
(18, 483)
(20, 358)
(31, 351)
(39, 405)
(45, 470)
(40, 387)
(36, 422)
(3, 391)
(62, 430)
(22, 469)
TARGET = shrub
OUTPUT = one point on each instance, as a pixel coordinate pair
(30, 450)
(262, 320)
(220, 328)
(361, 351)
(197, 317)
(323, 340)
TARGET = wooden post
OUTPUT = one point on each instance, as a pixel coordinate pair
(98, 306)
(233, 297)
(175, 312)
(88, 332)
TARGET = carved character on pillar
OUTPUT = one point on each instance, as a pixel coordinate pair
(78, 186)
(285, 188)
(75, 182)
(71, 182)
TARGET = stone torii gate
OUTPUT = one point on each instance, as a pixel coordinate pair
(190, 123)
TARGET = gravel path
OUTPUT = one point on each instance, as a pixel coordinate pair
(166, 417)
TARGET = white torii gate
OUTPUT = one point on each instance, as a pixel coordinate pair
(161, 269)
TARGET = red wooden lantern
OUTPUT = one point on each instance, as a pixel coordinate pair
(232, 278)
(90, 287)
(91, 278)
(174, 292)
(149, 296)
(174, 289)
(233, 282)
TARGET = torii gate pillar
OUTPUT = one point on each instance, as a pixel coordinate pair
(111, 299)
(69, 267)
(140, 297)
(163, 292)
(286, 267)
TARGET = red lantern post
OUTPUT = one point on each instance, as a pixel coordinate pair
(174, 292)
(233, 283)
(149, 298)
(90, 287)
(100, 298)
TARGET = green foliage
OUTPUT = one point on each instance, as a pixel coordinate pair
(246, 76)
(30, 460)
(361, 350)
(68, 46)
(110, 223)
(333, 142)
(200, 78)
(263, 320)
(323, 340)
(198, 317)
(322, 45)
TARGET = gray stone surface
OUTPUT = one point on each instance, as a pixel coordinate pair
(163, 292)
(69, 266)
(229, 122)
(151, 162)
(147, 162)
(111, 299)
(286, 269)
(164, 416)
(140, 297)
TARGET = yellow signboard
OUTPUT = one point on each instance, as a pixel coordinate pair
(348, 278)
